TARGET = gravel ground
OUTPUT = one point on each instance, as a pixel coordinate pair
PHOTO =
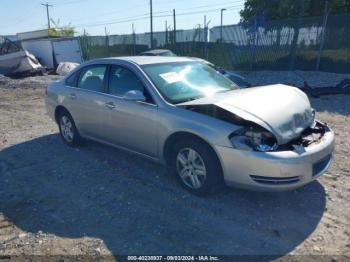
(97, 200)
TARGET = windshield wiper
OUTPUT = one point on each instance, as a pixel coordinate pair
(187, 100)
(223, 91)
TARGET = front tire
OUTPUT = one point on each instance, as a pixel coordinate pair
(68, 130)
(196, 166)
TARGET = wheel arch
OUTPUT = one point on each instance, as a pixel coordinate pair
(171, 140)
(58, 110)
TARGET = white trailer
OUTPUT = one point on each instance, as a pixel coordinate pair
(52, 51)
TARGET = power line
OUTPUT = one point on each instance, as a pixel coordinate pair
(111, 13)
(113, 22)
(204, 6)
(200, 12)
(146, 16)
(174, 17)
(69, 2)
(159, 12)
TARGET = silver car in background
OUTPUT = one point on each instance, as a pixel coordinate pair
(185, 114)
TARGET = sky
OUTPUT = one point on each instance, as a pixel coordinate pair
(116, 15)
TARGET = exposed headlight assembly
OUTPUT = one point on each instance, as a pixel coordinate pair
(256, 139)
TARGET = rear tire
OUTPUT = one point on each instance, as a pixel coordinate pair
(196, 166)
(68, 130)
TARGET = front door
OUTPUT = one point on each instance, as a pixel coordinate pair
(132, 124)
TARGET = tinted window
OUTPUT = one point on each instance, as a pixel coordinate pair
(73, 79)
(92, 77)
(122, 80)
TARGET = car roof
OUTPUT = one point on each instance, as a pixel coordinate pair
(147, 60)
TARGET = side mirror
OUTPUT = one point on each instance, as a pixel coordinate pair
(134, 95)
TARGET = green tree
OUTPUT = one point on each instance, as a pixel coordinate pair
(283, 9)
(67, 30)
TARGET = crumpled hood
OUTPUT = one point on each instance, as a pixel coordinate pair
(283, 110)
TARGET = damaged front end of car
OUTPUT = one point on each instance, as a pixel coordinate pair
(275, 142)
(270, 118)
(266, 124)
(258, 139)
(253, 137)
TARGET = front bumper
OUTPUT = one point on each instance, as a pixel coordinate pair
(276, 171)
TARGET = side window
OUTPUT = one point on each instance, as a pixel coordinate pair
(92, 77)
(122, 80)
(73, 79)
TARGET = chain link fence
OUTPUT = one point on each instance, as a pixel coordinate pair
(313, 43)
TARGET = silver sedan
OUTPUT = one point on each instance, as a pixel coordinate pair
(185, 114)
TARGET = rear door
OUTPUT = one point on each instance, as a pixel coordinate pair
(88, 99)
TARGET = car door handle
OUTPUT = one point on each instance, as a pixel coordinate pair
(110, 105)
(73, 96)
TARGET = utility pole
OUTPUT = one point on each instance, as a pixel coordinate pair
(325, 20)
(174, 16)
(222, 14)
(107, 41)
(133, 40)
(166, 33)
(151, 17)
(205, 36)
(48, 14)
(206, 27)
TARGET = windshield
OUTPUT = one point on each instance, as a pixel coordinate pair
(181, 82)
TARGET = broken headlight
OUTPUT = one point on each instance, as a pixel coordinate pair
(256, 139)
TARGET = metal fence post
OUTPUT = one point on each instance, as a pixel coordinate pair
(324, 26)
(294, 45)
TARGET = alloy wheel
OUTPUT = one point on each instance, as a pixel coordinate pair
(67, 129)
(191, 168)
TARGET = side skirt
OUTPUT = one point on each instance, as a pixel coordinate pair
(154, 159)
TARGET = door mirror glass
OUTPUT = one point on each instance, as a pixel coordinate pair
(134, 95)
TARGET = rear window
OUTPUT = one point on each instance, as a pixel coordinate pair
(92, 78)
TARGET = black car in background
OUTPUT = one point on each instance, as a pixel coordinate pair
(158, 52)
